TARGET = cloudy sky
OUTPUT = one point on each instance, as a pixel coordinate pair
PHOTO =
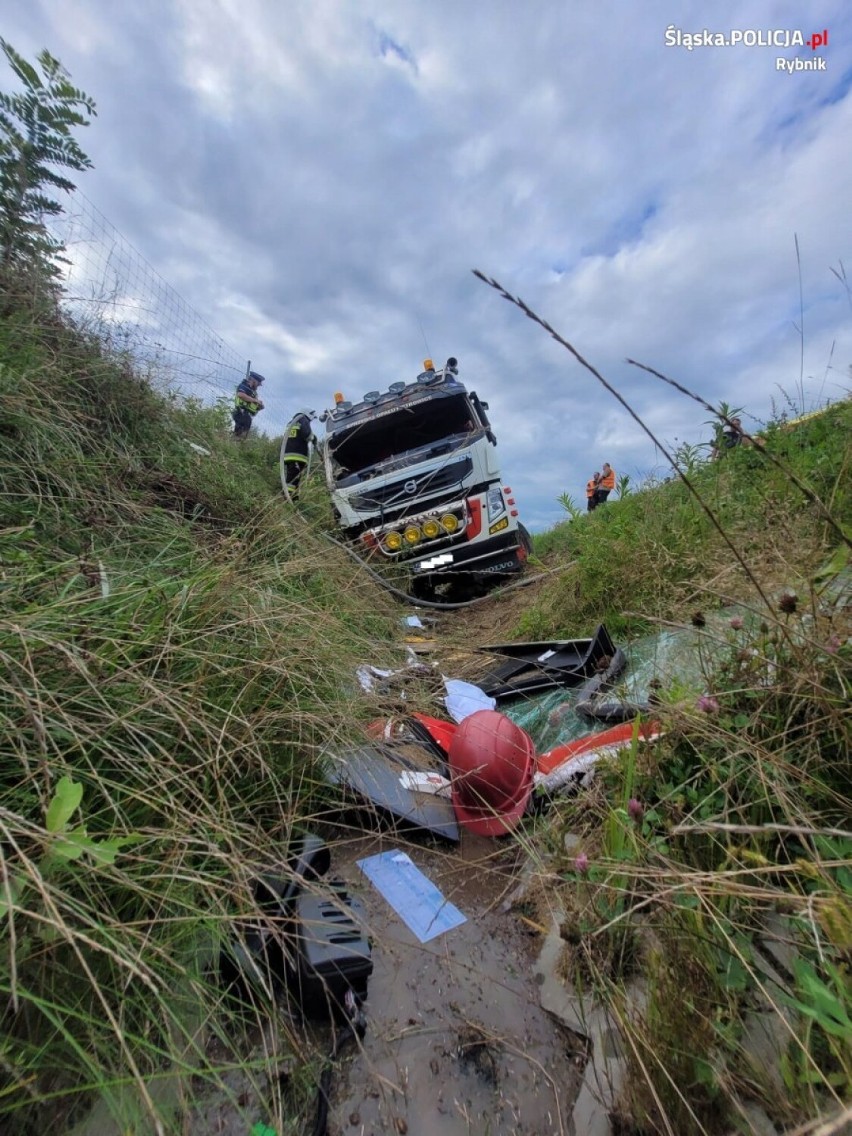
(318, 178)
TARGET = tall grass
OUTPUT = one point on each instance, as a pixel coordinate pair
(655, 554)
(733, 896)
(178, 645)
(734, 888)
(716, 863)
(176, 648)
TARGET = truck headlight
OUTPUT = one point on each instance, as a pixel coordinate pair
(412, 534)
(496, 504)
(450, 522)
(431, 528)
(393, 542)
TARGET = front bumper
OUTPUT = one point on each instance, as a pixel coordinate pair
(501, 555)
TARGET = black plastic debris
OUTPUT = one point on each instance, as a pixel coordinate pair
(597, 699)
(531, 667)
(371, 773)
(307, 943)
(334, 954)
(309, 861)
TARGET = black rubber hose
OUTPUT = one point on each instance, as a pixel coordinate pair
(414, 601)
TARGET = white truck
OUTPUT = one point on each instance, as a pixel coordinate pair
(414, 478)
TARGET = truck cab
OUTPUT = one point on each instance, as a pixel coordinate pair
(414, 476)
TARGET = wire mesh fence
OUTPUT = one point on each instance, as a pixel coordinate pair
(113, 292)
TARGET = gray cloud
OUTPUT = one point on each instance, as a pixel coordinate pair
(319, 180)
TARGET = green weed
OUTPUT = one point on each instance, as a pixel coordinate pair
(177, 647)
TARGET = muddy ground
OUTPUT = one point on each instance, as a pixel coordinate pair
(452, 638)
(457, 1042)
(494, 619)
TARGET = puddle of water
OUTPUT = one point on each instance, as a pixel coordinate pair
(457, 1042)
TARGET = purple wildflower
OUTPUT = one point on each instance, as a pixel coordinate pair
(635, 809)
(737, 623)
(833, 645)
(581, 864)
(708, 704)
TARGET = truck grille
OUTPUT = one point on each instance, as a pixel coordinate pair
(416, 489)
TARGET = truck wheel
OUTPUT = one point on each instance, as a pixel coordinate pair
(422, 588)
(525, 540)
(463, 589)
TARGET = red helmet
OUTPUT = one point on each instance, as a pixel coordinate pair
(491, 769)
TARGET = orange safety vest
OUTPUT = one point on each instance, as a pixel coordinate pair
(591, 486)
(608, 480)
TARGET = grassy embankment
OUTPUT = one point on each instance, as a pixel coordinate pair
(177, 645)
(716, 866)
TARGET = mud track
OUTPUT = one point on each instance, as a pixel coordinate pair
(457, 1042)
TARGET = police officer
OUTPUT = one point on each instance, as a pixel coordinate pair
(246, 403)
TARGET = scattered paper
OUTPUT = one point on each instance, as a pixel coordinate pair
(368, 676)
(413, 896)
(423, 782)
(463, 699)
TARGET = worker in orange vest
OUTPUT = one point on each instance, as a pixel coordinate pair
(606, 484)
(591, 490)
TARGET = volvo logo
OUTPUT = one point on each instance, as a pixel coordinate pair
(410, 486)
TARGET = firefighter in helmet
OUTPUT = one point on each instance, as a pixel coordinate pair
(298, 437)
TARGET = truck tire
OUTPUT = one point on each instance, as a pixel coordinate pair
(422, 588)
